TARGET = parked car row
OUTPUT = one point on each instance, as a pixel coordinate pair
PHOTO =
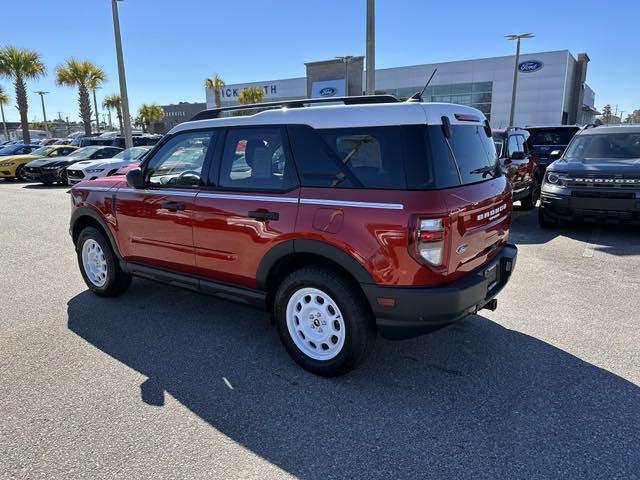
(52, 163)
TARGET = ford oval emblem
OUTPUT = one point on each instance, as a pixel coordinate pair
(462, 248)
(529, 66)
(327, 92)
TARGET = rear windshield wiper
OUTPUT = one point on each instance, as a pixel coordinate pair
(484, 171)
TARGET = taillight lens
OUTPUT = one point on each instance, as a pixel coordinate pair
(429, 241)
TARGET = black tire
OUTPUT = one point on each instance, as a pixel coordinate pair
(64, 178)
(543, 219)
(20, 174)
(529, 202)
(117, 281)
(356, 316)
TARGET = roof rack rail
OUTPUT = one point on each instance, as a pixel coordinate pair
(356, 100)
(589, 125)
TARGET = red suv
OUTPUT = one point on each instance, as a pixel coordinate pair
(520, 165)
(342, 220)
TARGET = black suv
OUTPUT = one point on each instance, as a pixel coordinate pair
(597, 178)
(549, 143)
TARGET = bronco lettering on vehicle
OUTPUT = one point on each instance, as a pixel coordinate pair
(607, 180)
(493, 213)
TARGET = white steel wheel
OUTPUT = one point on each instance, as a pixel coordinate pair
(315, 324)
(94, 262)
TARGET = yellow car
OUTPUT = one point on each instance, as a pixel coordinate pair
(12, 166)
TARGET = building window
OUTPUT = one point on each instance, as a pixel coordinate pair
(477, 94)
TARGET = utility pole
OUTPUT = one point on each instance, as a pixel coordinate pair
(68, 127)
(124, 100)
(621, 116)
(370, 88)
(515, 72)
(44, 113)
(95, 107)
(4, 124)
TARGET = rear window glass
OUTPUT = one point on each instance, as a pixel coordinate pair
(552, 136)
(474, 152)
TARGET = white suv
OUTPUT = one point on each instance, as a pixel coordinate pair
(92, 169)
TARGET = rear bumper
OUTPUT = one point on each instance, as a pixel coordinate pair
(419, 310)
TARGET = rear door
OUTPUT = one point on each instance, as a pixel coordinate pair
(155, 224)
(251, 207)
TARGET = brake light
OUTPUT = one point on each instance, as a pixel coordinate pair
(466, 117)
(429, 241)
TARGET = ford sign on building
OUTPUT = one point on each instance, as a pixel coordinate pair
(552, 88)
(530, 66)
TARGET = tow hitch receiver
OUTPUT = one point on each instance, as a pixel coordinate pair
(491, 305)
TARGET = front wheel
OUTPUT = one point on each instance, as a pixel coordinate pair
(323, 321)
(99, 265)
(20, 174)
(529, 202)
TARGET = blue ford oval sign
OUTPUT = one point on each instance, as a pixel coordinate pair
(328, 92)
(529, 66)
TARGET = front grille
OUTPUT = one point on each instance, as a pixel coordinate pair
(75, 174)
(32, 169)
(605, 181)
(601, 194)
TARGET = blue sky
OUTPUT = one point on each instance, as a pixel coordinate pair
(171, 46)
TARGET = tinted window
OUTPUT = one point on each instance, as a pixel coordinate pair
(474, 152)
(256, 159)
(349, 157)
(179, 162)
(513, 146)
(498, 141)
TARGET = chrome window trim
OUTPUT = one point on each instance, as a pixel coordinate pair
(348, 203)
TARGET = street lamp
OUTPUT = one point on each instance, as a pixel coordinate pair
(44, 112)
(124, 99)
(515, 71)
(370, 87)
(346, 60)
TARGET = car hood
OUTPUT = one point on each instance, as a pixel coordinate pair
(104, 163)
(598, 166)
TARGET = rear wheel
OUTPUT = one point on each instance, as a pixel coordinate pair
(529, 202)
(323, 321)
(99, 265)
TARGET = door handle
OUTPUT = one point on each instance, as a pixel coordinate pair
(172, 206)
(264, 215)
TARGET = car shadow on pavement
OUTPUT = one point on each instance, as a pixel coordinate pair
(44, 186)
(525, 231)
(474, 400)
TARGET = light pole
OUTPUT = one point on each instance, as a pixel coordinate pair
(515, 71)
(124, 100)
(44, 112)
(346, 60)
(370, 88)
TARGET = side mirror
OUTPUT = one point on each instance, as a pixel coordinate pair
(517, 156)
(135, 178)
(555, 155)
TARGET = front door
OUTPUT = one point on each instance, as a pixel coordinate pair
(155, 224)
(252, 208)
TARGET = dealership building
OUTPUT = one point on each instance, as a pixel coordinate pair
(551, 88)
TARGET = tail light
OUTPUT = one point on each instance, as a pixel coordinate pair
(429, 241)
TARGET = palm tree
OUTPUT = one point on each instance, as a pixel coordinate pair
(215, 83)
(112, 102)
(81, 74)
(149, 113)
(4, 99)
(251, 95)
(21, 65)
(97, 77)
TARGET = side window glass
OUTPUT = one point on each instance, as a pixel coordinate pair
(513, 145)
(179, 162)
(522, 145)
(350, 157)
(256, 158)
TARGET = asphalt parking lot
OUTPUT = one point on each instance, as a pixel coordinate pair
(164, 383)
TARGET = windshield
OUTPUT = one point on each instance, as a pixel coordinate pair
(132, 153)
(43, 151)
(604, 146)
(552, 136)
(84, 152)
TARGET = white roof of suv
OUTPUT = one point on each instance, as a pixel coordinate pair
(345, 116)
